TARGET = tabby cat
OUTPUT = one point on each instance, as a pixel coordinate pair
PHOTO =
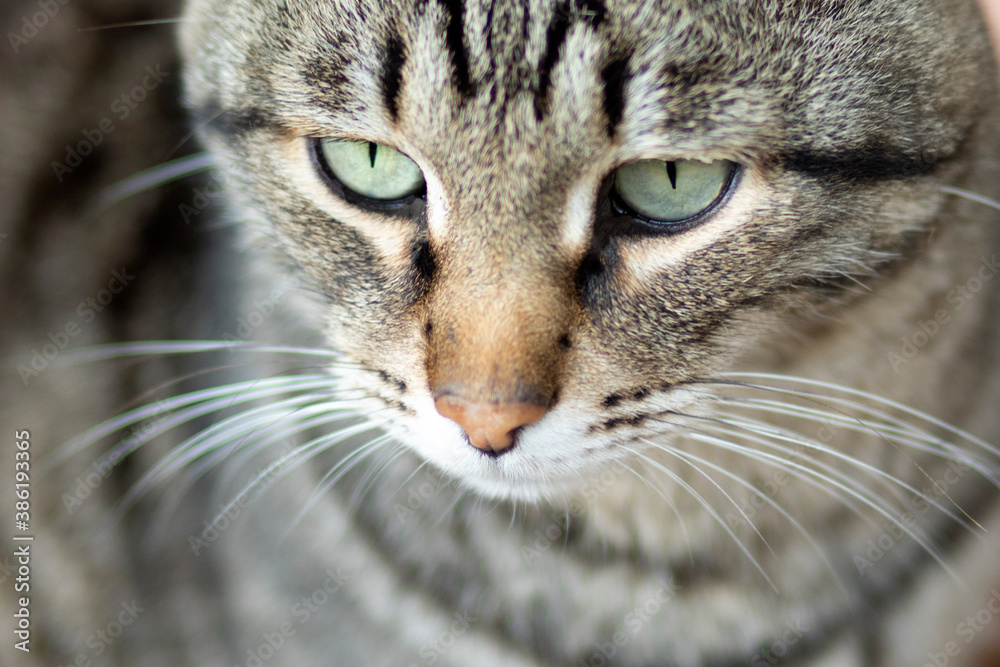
(562, 332)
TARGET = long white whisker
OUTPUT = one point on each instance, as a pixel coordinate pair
(848, 483)
(234, 430)
(148, 179)
(172, 347)
(725, 427)
(872, 501)
(460, 493)
(677, 454)
(890, 482)
(337, 472)
(670, 503)
(148, 22)
(711, 510)
(900, 431)
(871, 397)
(972, 196)
(325, 411)
(371, 476)
(252, 436)
(145, 483)
(181, 417)
(513, 516)
(955, 455)
(781, 510)
(298, 456)
(230, 394)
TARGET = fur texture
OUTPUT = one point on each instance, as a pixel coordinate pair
(664, 510)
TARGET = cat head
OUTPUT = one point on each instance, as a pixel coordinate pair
(537, 226)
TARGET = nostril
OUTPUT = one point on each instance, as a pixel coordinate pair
(490, 426)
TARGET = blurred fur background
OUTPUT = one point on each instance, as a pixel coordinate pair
(72, 82)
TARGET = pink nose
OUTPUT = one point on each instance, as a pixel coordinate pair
(490, 426)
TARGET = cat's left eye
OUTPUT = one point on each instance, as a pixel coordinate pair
(371, 170)
(671, 191)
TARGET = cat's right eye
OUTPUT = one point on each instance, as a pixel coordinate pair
(371, 170)
(668, 192)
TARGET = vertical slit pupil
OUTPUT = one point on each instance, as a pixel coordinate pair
(372, 150)
(671, 172)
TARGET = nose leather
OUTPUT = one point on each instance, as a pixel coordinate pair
(489, 426)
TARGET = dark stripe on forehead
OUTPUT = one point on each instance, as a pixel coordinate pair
(592, 12)
(456, 45)
(392, 74)
(614, 76)
(555, 35)
(873, 162)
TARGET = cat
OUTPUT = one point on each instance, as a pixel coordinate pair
(587, 333)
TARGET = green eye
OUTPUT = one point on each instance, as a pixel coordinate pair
(371, 170)
(672, 191)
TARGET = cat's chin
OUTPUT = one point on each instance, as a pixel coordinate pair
(532, 472)
(506, 478)
(550, 491)
(504, 490)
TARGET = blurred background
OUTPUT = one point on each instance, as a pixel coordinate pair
(94, 249)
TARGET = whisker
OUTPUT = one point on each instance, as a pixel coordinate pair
(300, 421)
(726, 428)
(204, 401)
(423, 463)
(134, 24)
(460, 493)
(194, 132)
(513, 516)
(677, 454)
(182, 456)
(798, 470)
(148, 179)
(670, 503)
(338, 471)
(770, 430)
(875, 399)
(943, 448)
(230, 437)
(711, 510)
(337, 405)
(887, 480)
(371, 476)
(972, 196)
(956, 454)
(901, 432)
(566, 519)
(851, 487)
(170, 347)
(299, 456)
(781, 510)
(146, 396)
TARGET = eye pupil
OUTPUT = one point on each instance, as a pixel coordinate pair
(666, 192)
(369, 169)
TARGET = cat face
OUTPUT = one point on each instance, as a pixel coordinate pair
(537, 237)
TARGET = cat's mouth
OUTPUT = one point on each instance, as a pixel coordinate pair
(555, 455)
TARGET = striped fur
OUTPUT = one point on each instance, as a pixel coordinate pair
(735, 464)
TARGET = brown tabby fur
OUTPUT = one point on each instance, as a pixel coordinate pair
(844, 245)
